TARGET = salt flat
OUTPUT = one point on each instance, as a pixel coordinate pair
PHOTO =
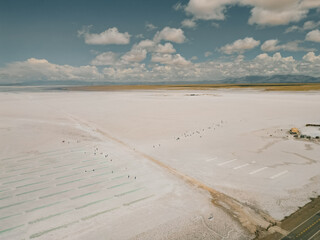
(76, 165)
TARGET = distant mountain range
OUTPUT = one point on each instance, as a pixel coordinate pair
(272, 79)
(241, 80)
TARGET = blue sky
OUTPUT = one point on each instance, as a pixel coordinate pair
(140, 40)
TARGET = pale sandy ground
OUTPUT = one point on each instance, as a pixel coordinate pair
(233, 141)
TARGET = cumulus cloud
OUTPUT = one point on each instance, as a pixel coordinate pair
(34, 69)
(158, 72)
(270, 45)
(275, 64)
(106, 58)
(147, 44)
(276, 14)
(270, 12)
(169, 59)
(293, 29)
(310, 4)
(164, 67)
(170, 34)
(240, 45)
(152, 46)
(311, 57)
(273, 45)
(135, 72)
(308, 25)
(276, 57)
(169, 67)
(189, 23)
(136, 54)
(313, 36)
(109, 36)
(207, 9)
(166, 48)
(263, 64)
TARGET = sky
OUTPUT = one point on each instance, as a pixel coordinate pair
(157, 41)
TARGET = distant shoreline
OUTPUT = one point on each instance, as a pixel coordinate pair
(260, 86)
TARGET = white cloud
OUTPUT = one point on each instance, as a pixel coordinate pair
(136, 72)
(36, 61)
(263, 64)
(263, 12)
(275, 12)
(189, 23)
(272, 45)
(152, 46)
(208, 9)
(40, 69)
(313, 36)
(150, 27)
(311, 57)
(283, 15)
(158, 72)
(173, 67)
(166, 48)
(164, 67)
(136, 54)
(162, 58)
(106, 58)
(109, 36)
(308, 25)
(310, 4)
(176, 60)
(147, 44)
(292, 29)
(240, 45)
(170, 34)
(276, 57)
(239, 58)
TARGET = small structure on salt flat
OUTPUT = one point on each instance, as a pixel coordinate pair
(294, 131)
